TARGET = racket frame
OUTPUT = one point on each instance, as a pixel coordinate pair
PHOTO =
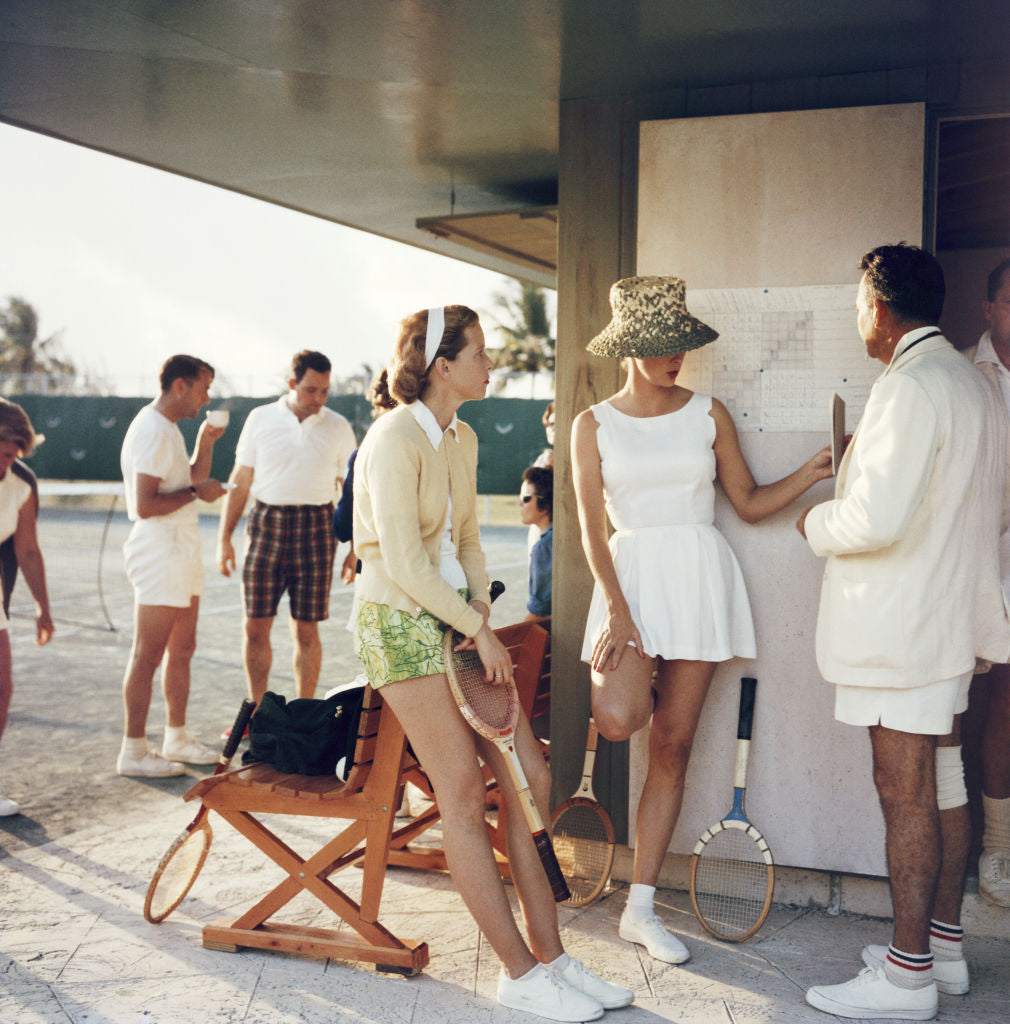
(585, 797)
(504, 739)
(200, 823)
(736, 818)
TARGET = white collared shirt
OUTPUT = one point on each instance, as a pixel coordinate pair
(448, 561)
(294, 462)
(985, 353)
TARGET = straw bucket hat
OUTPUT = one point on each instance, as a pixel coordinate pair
(650, 319)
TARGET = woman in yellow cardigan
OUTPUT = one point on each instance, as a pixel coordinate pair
(416, 533)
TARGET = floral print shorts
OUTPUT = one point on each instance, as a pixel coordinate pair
(394, 645)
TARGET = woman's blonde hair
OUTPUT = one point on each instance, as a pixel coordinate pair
(408, 369)
(15, 427)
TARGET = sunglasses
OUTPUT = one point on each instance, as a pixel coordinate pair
(526, 498)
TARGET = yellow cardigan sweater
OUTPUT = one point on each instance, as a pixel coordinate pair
(401, 495)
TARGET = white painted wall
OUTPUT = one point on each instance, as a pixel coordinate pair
(786, 199)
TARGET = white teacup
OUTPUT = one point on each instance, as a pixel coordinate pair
(218, 417)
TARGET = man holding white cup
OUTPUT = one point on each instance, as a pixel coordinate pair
(164, 563)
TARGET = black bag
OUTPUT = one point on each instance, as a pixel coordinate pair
(305, 736)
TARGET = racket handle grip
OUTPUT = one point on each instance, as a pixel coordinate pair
(237, 730)
(559, 887)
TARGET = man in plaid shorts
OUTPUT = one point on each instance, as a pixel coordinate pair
(290, 456)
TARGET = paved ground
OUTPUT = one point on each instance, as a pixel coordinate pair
(74, 946)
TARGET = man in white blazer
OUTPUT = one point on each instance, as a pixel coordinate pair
(911, 596)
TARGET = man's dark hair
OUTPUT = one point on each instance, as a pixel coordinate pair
(541, 479)
(187, 368)
(908, 279)
(995, 281)
(308, 360)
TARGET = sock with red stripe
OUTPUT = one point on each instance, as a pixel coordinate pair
(945, 940)
(908, 970)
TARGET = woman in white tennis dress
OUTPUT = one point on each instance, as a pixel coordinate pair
(670, 601)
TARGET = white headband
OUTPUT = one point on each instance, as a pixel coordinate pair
(436, 327)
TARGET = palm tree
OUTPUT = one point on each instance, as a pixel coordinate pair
(23, 354)
(529, 344)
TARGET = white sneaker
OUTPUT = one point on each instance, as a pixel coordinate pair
(651, 933)
(994, 877)
(872, 995)
(151, 766)
(547, 994)
(191, 751)
(8, 807)
(951, 976)
(579, 976)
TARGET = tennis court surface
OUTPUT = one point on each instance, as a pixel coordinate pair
(74, 867)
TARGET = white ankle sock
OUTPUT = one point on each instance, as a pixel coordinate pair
(640, 901)
(175, 734)
(134, 749)
(561, 963)
(945, 940)
(528, 974)
(908, 970)
(997, 823)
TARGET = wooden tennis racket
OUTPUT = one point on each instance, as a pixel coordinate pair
(584, 835)
(732, 870)
(177, 870)
(492, 710)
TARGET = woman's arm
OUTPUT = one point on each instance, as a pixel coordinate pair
(751, 501)
(588, 478)
(29, 556)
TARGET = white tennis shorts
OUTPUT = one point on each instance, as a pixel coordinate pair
(928, 710)
(164, 563)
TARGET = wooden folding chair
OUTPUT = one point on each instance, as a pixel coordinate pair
(369, 798)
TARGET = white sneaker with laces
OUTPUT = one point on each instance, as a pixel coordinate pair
(951, 976)
(190, 751)
(151, 766)
(652, 933)
(579, 976)
(871, 995)
(8, 807)
(994, 877)
(547, 994)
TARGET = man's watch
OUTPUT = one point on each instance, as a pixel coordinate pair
(192, 490)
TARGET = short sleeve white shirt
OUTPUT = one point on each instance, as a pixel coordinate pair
(14, 492)
(985, 353)
(294, 462)
(154, 445)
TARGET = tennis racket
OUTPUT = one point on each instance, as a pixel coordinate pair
(732, 871)
(177, 870)
(584, 835)
(493, 711)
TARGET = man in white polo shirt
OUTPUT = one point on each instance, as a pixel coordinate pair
(290, 457)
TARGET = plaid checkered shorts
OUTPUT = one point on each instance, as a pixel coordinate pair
(288, 547)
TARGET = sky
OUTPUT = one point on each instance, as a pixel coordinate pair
(131, 265)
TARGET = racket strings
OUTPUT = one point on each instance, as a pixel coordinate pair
(177, 873)
(731, 882)
(584, 850)
(494, 705)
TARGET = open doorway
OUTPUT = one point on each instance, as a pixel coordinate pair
(972, 235)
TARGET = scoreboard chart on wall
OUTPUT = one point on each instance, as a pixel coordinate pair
(781, 354)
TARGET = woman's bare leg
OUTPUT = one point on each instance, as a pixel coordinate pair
(681, 689)
(531, 885)
(447, 749)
